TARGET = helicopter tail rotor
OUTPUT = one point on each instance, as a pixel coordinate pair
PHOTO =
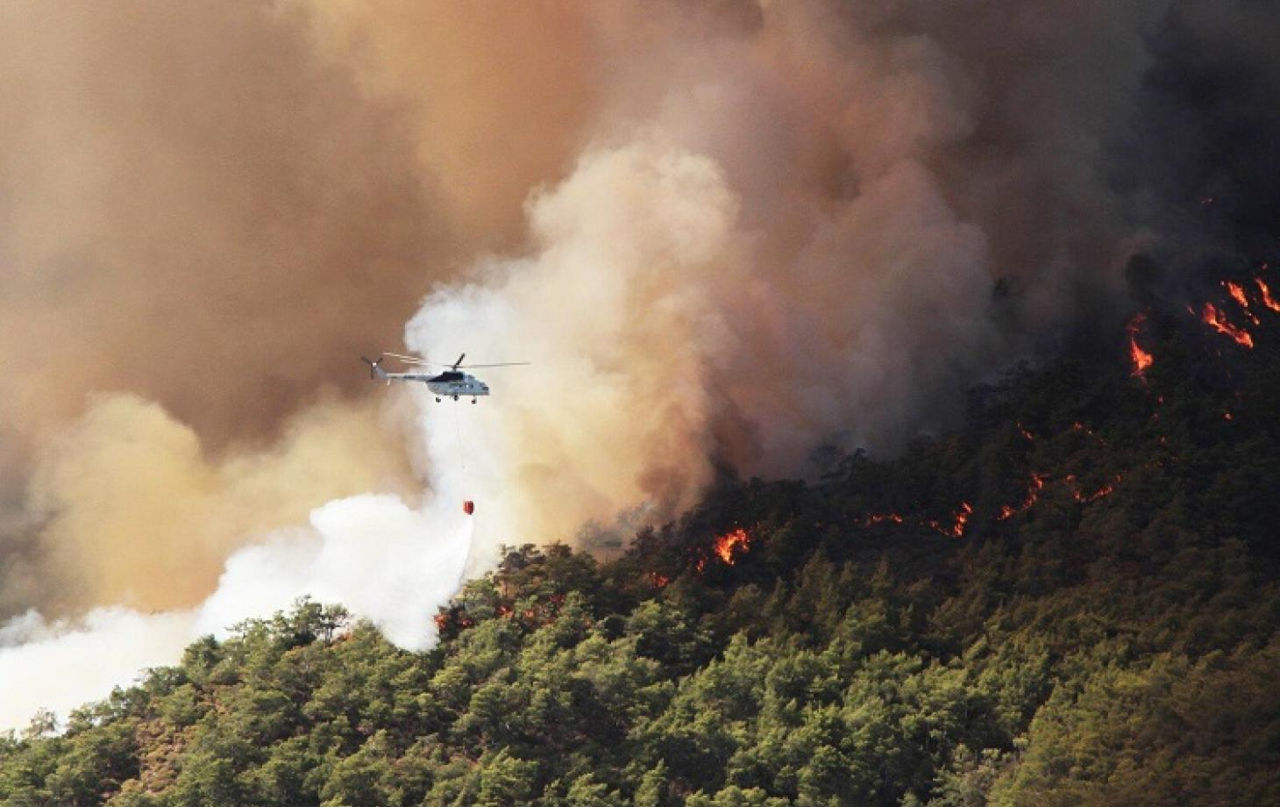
(375, 370)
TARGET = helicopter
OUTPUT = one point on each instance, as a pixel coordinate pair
(451, 382)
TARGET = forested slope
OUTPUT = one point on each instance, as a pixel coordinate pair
(1071, 600)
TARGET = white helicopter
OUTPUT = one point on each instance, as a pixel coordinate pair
(451, 382)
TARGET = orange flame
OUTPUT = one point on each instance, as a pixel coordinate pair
(726, 545)
(1085, 498)
(1214, 318)
(962, 517)
(1267, 299)
(1025, 434)
(659, 580)
(1105, 490)
(1033, 493)
(1141, 358)
(1237, 293)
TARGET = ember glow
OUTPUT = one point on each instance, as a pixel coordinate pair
(1087, 497)
(956, 530)
(1214, 318)
(1101, 492)
(1033, 493)
(1141, 359)
(878, 518)
(1083, 429)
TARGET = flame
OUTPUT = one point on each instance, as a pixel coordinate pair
(956, 530)
(726, 545)
(1141, 358)
(1237, 293)
(877, 518)
(1033, 493)
(659, 580)
(1085, 498)
(1267, 299)
(1214, 318)
(1026, 434)
(1105, 490)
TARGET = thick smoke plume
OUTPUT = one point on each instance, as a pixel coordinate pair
(725, 233)
(195, 210)
(384, 560)
(136, 514)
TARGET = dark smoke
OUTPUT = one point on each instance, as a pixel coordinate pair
(1200, 163)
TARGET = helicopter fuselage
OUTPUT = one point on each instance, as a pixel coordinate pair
(454, 384)
(450, 383)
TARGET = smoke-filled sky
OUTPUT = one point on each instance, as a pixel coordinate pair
(724, 233)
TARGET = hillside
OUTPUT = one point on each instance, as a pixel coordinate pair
(1071, 600)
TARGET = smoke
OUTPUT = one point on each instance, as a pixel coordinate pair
(777, 237)
(500, 94)
(387, 562)
(724, 233)
(197, 210)
(136, 513)
(59, 666)
(384, 560)
(1200, 159)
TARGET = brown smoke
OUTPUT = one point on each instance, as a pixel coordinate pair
(500, 92)
(202, 208)
(734, 229)
(197, 210)
(138, 514)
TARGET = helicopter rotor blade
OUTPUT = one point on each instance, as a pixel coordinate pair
(414, 360)
(458, 365)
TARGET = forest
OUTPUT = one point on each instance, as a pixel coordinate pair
(1071, 598)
